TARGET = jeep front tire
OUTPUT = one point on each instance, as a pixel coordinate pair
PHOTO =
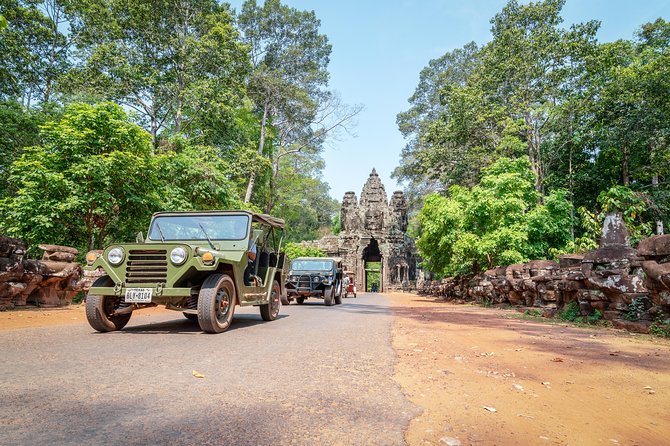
(100, 309)
(328, 296)
(216, 303)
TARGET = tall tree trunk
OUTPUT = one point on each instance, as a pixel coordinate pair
(273, 180)
(571, 187)
(154, 128)
(261, 144)
(180, 100)
(534, 155)
(624, 165)
(659, 223)
(181, 68)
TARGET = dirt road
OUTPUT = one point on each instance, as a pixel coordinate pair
(482, 377)
(485, 378)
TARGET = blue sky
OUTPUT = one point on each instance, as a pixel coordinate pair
(379, 48)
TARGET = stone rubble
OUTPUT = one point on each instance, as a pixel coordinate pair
(50, 282)
(613, 279)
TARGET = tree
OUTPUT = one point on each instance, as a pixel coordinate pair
(498, 222)
(194, 177)
(295, 250)
(420, 165)
(90, 181)
(290, 59)
(36, 44)
(172, 62)
(303, 200)
(497, 100)
(19, 128)
(528, 65)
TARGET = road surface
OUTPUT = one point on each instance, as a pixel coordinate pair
(315, 376)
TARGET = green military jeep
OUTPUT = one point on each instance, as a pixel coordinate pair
(198, 263)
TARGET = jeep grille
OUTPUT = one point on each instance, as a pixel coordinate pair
(146, 266)
(304, 281)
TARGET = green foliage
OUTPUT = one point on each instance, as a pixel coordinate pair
(589, 115)
(571, 312)
(636, 308)
(181, 66)
(302, 199)
(36, 47)
(19, 128)
(594, 318)
(533, 312)
(337, 224)
(92, 179)
(194, 177)
(660, 327)
(498, 222)
(630, 204)
(295, 250)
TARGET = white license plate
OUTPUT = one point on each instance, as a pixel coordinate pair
(139, 295)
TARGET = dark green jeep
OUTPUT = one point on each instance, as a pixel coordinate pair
(200, 263)
(315, 277)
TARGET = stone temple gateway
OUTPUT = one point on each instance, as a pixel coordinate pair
(373, 242)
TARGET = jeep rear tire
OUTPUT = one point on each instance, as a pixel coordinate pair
(216, 303)
(300, 300)
(270, 311)
(328, 296)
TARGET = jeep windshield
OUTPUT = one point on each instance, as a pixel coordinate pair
(199, 227)
(310, 265)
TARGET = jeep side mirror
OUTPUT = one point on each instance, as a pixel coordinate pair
(139, 237)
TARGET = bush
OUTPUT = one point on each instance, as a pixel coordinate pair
(660, 328)
(571, 312)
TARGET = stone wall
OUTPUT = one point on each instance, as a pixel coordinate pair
(615, 279)
(52, 281)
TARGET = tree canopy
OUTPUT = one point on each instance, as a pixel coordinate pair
(590, 119)
(111, 111)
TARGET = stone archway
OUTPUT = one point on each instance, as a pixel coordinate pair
(372, 266)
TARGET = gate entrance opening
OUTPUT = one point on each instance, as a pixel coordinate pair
(372, 259)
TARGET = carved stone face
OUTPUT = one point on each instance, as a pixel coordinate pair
(349, 199)
(374, 219)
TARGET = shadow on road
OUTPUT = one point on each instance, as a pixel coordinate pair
(186, 326)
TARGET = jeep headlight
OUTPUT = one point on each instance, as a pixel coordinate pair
(316, 279)
(115, 255)
(178, 255)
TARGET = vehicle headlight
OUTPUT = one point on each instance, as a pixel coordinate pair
(115, 255)
(316, 279)
(178, 255)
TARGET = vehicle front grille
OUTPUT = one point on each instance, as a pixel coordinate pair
(146, 266)
(304, 281)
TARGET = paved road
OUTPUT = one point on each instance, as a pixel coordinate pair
(316, 376)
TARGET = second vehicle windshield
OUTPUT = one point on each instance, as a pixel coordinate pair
(310, 265)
